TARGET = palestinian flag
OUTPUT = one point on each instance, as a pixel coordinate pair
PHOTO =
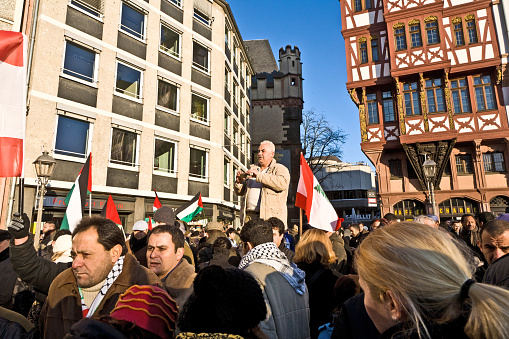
(77, 197)
(109, 211)
(187, 212)
(312, 199)
(157, 203)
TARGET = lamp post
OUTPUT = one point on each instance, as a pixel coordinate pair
(430, 168)
(44, 167)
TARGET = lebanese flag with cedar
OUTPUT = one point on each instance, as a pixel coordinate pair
(312, 199)
(13, 87)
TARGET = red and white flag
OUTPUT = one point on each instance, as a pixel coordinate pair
(312, 199)
(13, 87)
(157, 203)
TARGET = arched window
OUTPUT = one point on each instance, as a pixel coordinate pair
(407, 209)
(456, 207)
(499, 205)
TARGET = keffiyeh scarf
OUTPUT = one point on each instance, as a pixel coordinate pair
(268, 254)
(110, 279)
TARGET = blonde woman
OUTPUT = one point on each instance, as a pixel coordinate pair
(313, 255)
(418, 284)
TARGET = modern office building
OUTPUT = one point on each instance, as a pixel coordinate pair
(157, 91)
(426, 77)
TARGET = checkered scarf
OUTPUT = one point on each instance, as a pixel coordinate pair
(110, 279)
(270, 255)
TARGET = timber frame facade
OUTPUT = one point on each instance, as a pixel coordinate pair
(426, 78)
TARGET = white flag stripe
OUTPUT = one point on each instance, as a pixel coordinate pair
(190, 209)
(12, 101)
(73, 211)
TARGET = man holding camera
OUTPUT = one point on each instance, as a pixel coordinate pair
(264, 187)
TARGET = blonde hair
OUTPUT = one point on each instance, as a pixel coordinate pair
(315, 244)
(425, 269)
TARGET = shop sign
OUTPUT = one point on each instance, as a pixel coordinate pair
(226, 215)
(96, 203)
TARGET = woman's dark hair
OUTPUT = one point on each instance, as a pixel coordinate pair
(222, 242)
(109, 234)
(128, 329)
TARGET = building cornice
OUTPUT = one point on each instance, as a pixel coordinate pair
(468, 7)
(350, 32)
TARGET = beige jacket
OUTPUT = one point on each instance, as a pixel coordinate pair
(273, 194)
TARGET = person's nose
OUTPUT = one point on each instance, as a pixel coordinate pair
(77, 262)
(498, 253)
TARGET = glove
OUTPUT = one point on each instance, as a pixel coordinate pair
(19, 226)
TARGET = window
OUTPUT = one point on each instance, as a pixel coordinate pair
(363, 47)
(435, 95)
(388, 106)
(124, 147)
(129, 81)
(226, 78)
(199, 107)
(73, 137)
(226, 34)
(226, 172)
(372, 108)
(460, 99)
(374, 49)
(91, 7)
(464, 164)
(242, 141)
(176, 3)
(235, 91)
(484, 95)
(198, 163)
(201, 17)
(164, 155)
(415, 35)
(395, 168)
(170, 41)
(227, 123)
(399, 36)
(200, 57)
(458, 32)
(411, 95)
(471, 29)
(432, 32)
(235, 133)
(493, 162)
(357, 5)
(167, 95)
(132, 22)
(248, 147)
(80, 62)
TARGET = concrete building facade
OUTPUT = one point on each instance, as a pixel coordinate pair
(152, 89)
(426, 77)
(276, 108)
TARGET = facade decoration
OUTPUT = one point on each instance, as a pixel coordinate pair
(447, 93)
(430, 18)
(423, 102)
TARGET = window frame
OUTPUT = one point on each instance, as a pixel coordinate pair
(459, 89)
(163, 108)
(471, 19)
(464, 164)
(493, 163)
(176, 3)
(164, 49)
(363, 51)
(411, 91)
(86, 9)
(195, 177)
(391, 99)
(483, 86)
(398, 36)
(413, 24)
(135, 167)
(226, 172)
(95, 74)
(173, 173)
(88, 141)
(227, 128)
(371, 103)
(457, 27)
(429, 30)
(434, 88)
(201, 17)
(363, 5)
(139, 97)
(131, 5)
(377, 49)
(198, 66)
(397, 173)
(193, 117)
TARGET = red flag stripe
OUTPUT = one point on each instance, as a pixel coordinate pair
(11, 48)
(11, 160)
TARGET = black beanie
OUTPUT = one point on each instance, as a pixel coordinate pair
(165, 215)
(223, 301)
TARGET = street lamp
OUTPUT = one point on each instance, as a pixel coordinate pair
(429, 168)
(44, 167)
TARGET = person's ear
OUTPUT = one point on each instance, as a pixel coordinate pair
(395, 307)
(116, 252)
(180, 253)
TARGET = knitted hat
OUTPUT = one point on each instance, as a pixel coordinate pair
(148, 307)
(140, 225)
(214, 225)
(217, 292)
(165, 215)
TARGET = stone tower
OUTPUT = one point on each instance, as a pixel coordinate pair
(276, 111)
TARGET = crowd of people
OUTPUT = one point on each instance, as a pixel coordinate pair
(389, 279)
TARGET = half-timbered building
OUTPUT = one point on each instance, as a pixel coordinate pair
(426, 78)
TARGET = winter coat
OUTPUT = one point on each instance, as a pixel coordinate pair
(63, 306)
(288, 252)
(320, 282)
(91, 328)
(15, 326)
(498, 272)
(454, 329)
(287, 311)
(354, 322)
(273, 193)
(139, 249)
(179, 283)
(9, 278)
(33, 269)
(221, 258)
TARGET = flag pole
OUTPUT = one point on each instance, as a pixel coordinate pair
(90, 205)
(300, 222)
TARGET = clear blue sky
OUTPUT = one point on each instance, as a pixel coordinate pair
(314, 27)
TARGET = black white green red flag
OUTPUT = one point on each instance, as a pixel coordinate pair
(77, 197)
(188, 211)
